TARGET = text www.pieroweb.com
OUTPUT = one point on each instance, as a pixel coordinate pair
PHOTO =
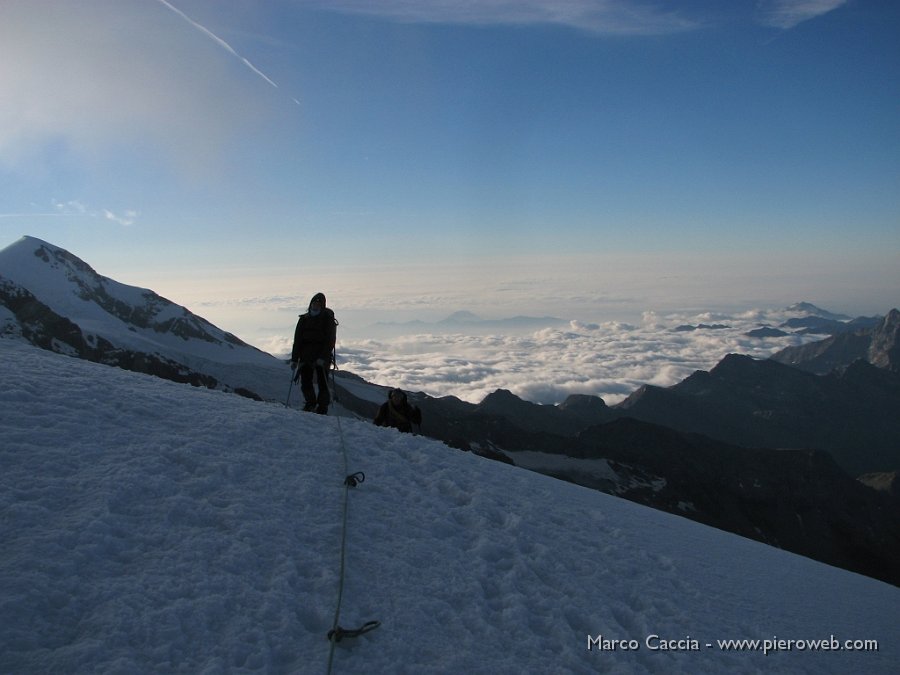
(767, 646)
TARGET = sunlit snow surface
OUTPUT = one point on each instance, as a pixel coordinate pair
(148, 526)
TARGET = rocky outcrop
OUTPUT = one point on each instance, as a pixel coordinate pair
(851, 412)
(798, 500)
(887, 482)
(875, 341)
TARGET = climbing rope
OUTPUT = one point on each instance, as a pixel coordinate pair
(337, 633)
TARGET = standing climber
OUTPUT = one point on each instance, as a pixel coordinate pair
(314, 340)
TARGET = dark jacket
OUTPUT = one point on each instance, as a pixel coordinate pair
(401, 416)
(315, 336)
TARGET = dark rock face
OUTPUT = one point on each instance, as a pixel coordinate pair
(765, 332)
(884, 352)
(687, 328)
(825, 326)
(875, 340)
(567, 419)
(851, 413)
(38, 323)
(798, 500)
(887, 483)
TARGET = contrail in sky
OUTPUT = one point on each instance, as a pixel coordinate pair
(219, 41)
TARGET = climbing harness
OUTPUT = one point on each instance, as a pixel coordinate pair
(337, 632)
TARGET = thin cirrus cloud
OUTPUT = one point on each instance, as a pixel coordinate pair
(786, 14)
(613, 17)
(602, 17)
(125, 219)
(219, 41)
(73, 208)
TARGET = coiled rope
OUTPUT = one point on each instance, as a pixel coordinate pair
(337, 633)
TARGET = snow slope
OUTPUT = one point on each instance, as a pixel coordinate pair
(149, 526)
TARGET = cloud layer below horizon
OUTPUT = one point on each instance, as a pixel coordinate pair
(615, 328)
(610, 360)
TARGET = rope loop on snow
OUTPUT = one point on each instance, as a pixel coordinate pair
(354, 479)
(336, 634)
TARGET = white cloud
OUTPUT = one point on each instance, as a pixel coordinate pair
(609, 360)
(70, 207)
(621, 17)
(125, 219)
(789, 13)
(75, 207)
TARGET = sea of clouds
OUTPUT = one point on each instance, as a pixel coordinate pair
(610, 360)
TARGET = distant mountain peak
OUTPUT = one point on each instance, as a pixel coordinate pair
(583, 402)
(29, 242)
(501, 395)
(734, 361)
(503, 401)
(461, 317)
(809, 309)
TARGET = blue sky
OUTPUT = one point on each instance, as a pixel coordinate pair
(404, 157)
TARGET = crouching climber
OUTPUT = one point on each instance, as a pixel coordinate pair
(397, 412)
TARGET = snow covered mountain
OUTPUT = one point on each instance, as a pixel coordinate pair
(57, 301)
(149, 526)
(809, 309)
